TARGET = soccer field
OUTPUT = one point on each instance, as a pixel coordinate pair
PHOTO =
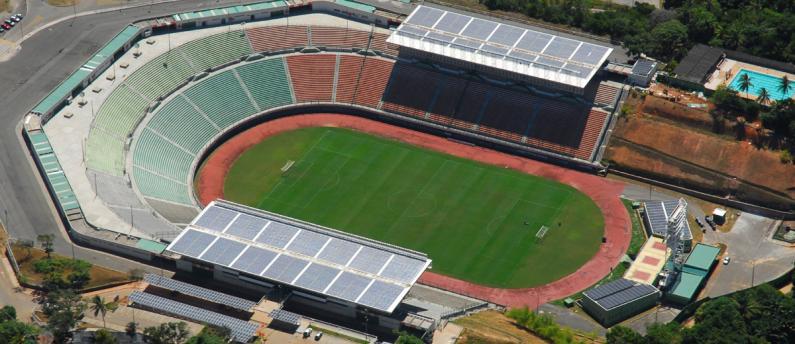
(477, 222)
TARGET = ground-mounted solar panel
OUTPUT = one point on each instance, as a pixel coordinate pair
(370, 260)
(402, 268)
(285, 269)
(191, 243)
(426, 16)
(254, 260)
(348, 286)
(223, 251)
(381, 295)
(199, 292)
(277, 234)
(241, 331)
(452, 22)
(479, 29)
(534, 41)
(246, 226)
(339, 251)
(317, 277)
(215, 218)
(308, 243)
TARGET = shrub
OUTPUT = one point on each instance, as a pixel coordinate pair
(785, 156)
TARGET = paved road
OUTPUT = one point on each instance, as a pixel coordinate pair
(45, 60)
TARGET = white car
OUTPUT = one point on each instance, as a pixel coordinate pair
(726, 260)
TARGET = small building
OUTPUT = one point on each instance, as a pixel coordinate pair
(618, 300)
(655, 219)
(719, 216)
(643, 72)
(695, 273)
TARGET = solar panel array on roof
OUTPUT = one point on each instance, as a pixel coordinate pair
(302, 255)
(241, 331)
(643, 67)
(199, 292)
(285, 316)
(618, 292)
(502, 46)
(657, 213)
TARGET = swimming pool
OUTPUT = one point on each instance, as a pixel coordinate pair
(759, 81)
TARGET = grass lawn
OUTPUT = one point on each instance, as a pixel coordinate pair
(99, 275)
(477, 222)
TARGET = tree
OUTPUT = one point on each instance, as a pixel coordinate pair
(406, 338)
(46, 241)
(785, 85)
(745, 83)
(668, 333)
(763, 97)
(211, 335)
(168, 333)
(13, 331)
(64, 309)
(623, 335)
(103, 336)
(100, 307)
(131, 329)
(669, 40)
(717, 321)
(701, 24)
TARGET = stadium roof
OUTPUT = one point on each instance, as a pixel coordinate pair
(302, 255)
(199, 292)
(518, 50)
(657, 213)
(618, 292)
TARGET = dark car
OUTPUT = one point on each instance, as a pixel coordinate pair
(17, 17)
(699, 223)
(6, 26)
(709, 221)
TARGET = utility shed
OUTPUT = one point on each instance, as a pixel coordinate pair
(618, 300)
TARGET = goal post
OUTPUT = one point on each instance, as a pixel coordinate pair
(541, 233)
(289, 164)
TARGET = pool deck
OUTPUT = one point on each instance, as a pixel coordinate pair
(728, 68)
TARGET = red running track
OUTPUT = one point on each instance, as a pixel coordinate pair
(604, 192)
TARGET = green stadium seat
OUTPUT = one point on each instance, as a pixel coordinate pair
(216, 50)
(222, 98)
(267, 82)
(179, 121)
(154, 153)
(154, 186)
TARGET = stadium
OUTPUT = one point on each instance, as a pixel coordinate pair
(269, 145)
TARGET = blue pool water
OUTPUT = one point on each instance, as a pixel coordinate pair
(759, 81)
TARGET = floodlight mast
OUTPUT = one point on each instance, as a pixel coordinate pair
(677, 221)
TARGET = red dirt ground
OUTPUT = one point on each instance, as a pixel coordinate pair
(605, 193)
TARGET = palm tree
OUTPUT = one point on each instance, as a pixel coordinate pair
(745, 83)
(763, 97)
(785, 85)
(100, 307)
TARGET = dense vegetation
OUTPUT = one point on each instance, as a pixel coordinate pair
(758, 315)
(759, 27)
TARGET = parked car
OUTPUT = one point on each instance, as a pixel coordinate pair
(699, 223)
(709, 221)
(318, 335)
(307, 332)
(2, 30)
(726, 260)
(5, 26)
(10, 22)
(17, 17)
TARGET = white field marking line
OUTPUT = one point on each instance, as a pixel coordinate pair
(296, 162)
(319, 190)
(515, 203)
(420, 193)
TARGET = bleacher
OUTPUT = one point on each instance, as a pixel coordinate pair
(606, 94)
(156, 154)
(409, 90)
(267, 82)
(362, 80)
(104, 152)
(216, 50)
(222, 99)
(338, 37)
(312, 76)
(179, 121)
(161, 75)
(119, 114)
(590, 136)
(154, 186)
(275, 38)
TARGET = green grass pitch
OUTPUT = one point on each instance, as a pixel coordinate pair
(477, 222)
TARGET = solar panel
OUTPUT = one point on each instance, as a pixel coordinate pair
(549, 62)
(254, 260)
(425, 16)
(285, 269)
(435, 31)
(191, 243)
(626, 295)
(246, 226)
(403, 268)
(609, 288)
(479, 29)
(277, 234)
(278, 249)
(215, 218)
(380, 295)
(285, 316)
(317, 277)
(241, 331)
(348, 286)
(308, 243)
(452, 22)
(223, 251)
(199, 292)
(339, 251)
(370, 260)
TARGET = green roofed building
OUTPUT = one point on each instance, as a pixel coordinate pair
(694, 274)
